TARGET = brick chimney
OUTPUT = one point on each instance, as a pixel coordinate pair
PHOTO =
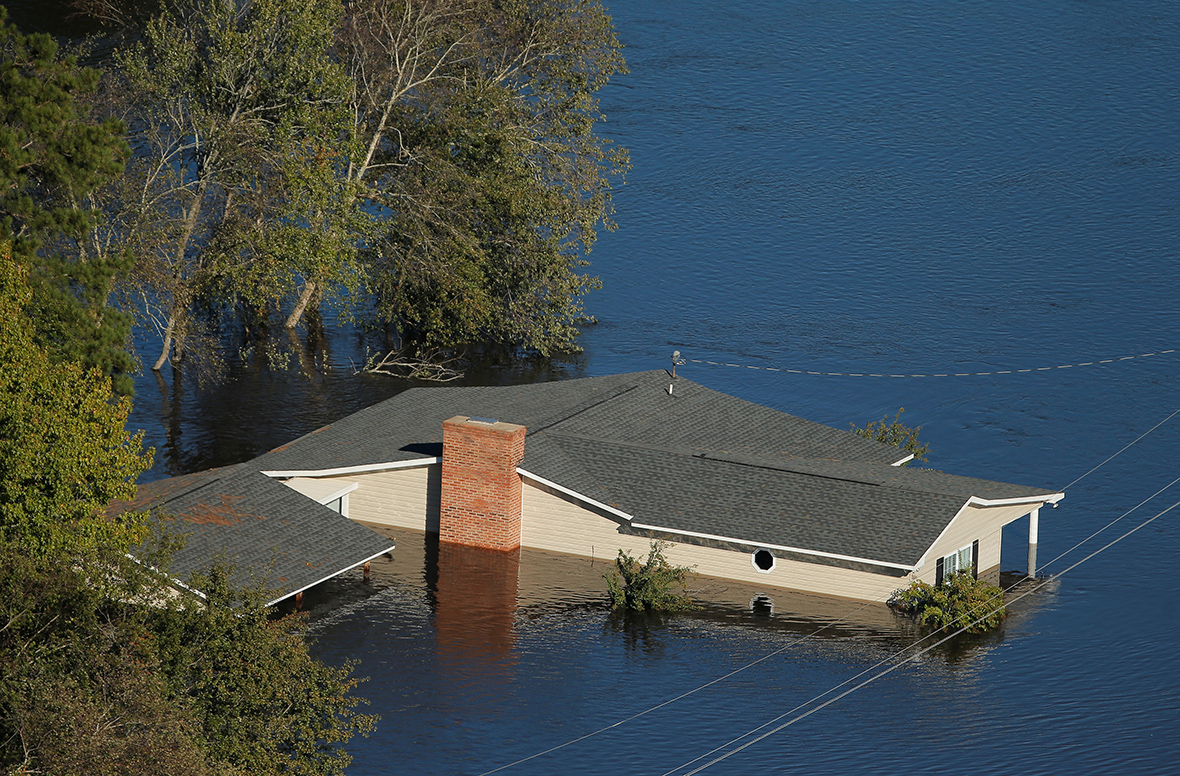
(481, 490)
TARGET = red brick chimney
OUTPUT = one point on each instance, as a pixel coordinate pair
(481, 490)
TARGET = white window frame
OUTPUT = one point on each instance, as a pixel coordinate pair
(957, 561)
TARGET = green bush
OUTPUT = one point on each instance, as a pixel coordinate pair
(650, 585)
(895, 433)
(958, 602)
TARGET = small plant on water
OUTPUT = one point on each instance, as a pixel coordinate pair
(895, 433)
(650, 585)
(960, 601)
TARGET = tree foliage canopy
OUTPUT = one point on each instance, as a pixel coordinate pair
(53, 157)
(64, 453)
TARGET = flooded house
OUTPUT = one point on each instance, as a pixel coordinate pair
(588, 467)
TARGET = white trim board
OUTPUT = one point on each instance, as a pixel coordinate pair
(285, 596)
(784, 548)
(368, 467)
(574, 494)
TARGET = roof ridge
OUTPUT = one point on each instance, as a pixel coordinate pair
(583, 406)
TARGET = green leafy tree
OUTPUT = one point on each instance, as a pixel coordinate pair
(474, 142)
(53, 157)
(78, 692)
(263, 703)
(122, 678)
(895, 433)
(653, 584)
(961, 601)
(231, 99)
(64, 453)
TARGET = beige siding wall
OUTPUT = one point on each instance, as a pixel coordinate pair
(556, 523)
(982, 523)
(405, 498)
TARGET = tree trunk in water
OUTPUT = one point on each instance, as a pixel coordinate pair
(167, 344)
(308, 290)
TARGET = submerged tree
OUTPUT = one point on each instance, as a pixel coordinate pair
(229, 104)
(474, 131)
(653, 584)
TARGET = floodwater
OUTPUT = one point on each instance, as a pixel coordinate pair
(892, 188)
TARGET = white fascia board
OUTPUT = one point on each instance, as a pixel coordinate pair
(975, 501)
(1052, 498)
(368, 467)
(903, 461)
(349, 488)
(784, 548)
(574, 494)
(285, 596)
(945, 528)
(169, 577)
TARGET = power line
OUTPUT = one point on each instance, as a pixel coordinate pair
(1120, 452)
(934, 374)
(846, 617)
(909, 659)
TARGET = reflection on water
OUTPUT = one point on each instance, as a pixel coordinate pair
(481, 652)
(475, 592)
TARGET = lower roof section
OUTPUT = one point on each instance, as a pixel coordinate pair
(272, 536)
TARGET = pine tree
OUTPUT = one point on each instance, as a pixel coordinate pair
(52, 159)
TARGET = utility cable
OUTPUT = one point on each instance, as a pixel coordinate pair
(1120, 452)
(832, 624)
(693, 691)
(898, 665)
(933, 374)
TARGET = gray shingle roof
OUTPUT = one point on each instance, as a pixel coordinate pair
(272, 534)
(694, 461)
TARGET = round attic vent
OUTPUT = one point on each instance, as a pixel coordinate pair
(763, 561)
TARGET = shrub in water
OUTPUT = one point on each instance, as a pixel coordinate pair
(958, 602)
(650, 585)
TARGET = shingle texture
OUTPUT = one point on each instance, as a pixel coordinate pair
(273, 535)
(694, 461)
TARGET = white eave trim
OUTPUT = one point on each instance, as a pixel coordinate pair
(1051, 498)
(349, 488)
(368, 467)
(173, 580)
(784, 548)
(903, 461)
(285, 596)
(975, 501)
(573, 493)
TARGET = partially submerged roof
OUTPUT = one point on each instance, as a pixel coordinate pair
(692, 462)
(273, 535)
(630, 408)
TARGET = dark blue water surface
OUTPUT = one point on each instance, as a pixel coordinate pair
(905, 187)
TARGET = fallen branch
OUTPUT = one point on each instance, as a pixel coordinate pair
(396, 364)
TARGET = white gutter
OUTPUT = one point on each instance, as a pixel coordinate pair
(1011, 502)
(575, 494)
(775, 547)
(285, 596)
(368, 467)
(976, 501)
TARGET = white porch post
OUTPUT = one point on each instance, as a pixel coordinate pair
(1033, 528)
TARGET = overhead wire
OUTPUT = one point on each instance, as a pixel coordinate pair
(834, 623)
(1096, 362)
(898, 665)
